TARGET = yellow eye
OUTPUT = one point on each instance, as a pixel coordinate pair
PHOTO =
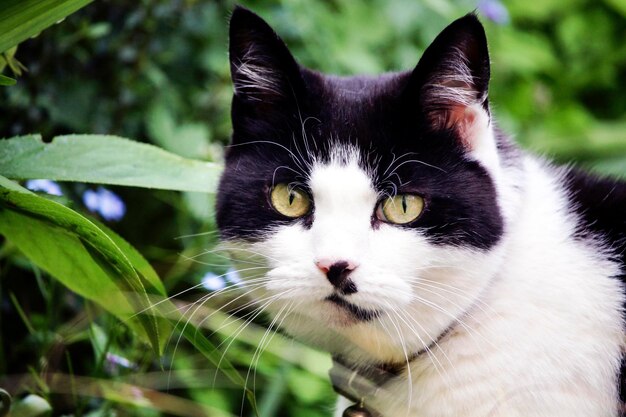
(289, 201)
(400, 209)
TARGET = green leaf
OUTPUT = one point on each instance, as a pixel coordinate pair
(184, 326)
(4, 80)
(22, 19)
(189, 140)
(32, 406)
(308, 390)
(200, 205)
(82, 256)
(216, 357)
(99, 265)
(104, 159)
(618, 5)
(141, 265)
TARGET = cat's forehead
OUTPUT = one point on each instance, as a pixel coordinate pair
(357, 110)
(343, 190)
(343, 171)
(362, 93)
(362, 86)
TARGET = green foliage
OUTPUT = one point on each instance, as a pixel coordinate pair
(4, 80)
(32, 406)
(87, 257)
(80, 255)
(157, 71)
(21, 19)
(104, 160)
(7, 59)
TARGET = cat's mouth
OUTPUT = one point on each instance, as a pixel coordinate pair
(357, 312)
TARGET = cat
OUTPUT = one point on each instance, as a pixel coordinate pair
(387, 220)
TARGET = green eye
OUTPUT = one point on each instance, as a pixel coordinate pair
(289, 201)
(400, 209)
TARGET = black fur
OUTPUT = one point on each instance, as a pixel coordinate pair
(275, 132)
(600, 204)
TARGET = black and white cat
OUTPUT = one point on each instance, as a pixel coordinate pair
(388, 221)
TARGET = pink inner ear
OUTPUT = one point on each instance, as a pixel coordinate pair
(453, 103)
(463, 119)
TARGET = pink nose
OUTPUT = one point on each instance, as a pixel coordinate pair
(337, 273)
(324, 265)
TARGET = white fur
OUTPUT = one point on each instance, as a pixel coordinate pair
(537, 326)
(254, 77)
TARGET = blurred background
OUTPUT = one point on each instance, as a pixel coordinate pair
(157, 71)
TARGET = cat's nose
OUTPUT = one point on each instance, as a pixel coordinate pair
(337, 273)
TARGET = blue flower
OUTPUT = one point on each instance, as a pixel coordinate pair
(213, 282)
(232, 275)
(47, 186)
(106, 203)
(494, 10)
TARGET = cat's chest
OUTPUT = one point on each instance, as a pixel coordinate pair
(478, 378)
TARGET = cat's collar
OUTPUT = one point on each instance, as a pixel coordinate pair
(359, 383)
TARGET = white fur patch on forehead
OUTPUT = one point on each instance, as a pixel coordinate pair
(342, 179)
(342, 154)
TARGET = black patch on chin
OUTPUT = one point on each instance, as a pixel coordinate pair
(358, 313)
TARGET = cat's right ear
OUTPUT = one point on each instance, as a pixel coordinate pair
(265, 75)
(452, 81)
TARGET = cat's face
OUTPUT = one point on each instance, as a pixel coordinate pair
(363, 211)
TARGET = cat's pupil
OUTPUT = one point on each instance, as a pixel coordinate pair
(292, 196)
(404, 204)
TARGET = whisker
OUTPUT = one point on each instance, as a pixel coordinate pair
(210, 232)
(406, 355)
(242, 327)
(269, 142)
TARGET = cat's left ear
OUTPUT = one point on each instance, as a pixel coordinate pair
(267, 79)
(452, 80)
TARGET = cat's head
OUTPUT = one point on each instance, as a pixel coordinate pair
(365, 211)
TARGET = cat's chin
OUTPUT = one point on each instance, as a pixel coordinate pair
(340, 313)
(339, 320)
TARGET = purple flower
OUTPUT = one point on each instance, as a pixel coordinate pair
(118, 360)
(47, 186)
(114, 362)
(213, 282)
(106, 203)
(494, 10)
